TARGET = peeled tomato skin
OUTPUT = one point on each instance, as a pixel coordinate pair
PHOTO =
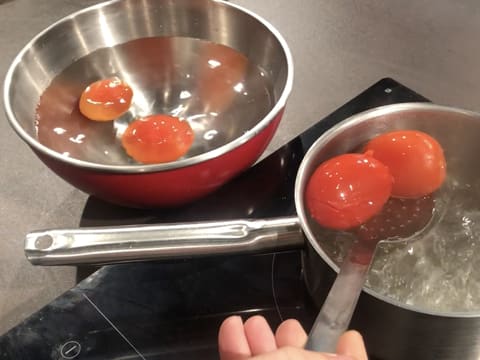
(347, 190)
(105, 100)
(157, 139)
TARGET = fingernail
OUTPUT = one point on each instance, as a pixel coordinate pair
(337, 357)
(235, 319)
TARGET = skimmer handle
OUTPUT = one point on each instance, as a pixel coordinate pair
(338, 308)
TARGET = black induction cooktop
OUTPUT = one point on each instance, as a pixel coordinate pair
(172, 309)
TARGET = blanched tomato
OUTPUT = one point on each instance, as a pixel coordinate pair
(415, 160)
(106, 100)
(157, 139)
(347, 190)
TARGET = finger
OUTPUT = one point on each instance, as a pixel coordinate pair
(259, 335)
(351, 344)
(232, 341)
(290, 333)
(288, 353)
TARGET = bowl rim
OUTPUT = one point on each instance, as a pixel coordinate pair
(326, 137)
(149, 168)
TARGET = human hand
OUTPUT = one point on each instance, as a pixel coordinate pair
(255, 340)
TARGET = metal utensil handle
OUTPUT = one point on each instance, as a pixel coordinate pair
(338, 308)
(107, 245)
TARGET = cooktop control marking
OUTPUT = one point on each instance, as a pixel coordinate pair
(70, 350)
(113, 326)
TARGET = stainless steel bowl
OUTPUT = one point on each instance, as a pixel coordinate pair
(181, 58)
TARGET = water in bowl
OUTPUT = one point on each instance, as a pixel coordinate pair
(213, 87)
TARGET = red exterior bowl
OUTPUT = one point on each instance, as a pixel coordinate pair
(125, 38)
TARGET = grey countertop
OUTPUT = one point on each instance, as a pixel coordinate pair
(340, 47)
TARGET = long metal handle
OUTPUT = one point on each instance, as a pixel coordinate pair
(338, 308)
(108, 245)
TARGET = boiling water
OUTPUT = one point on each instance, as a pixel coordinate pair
(437, 270)
(213, 87)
